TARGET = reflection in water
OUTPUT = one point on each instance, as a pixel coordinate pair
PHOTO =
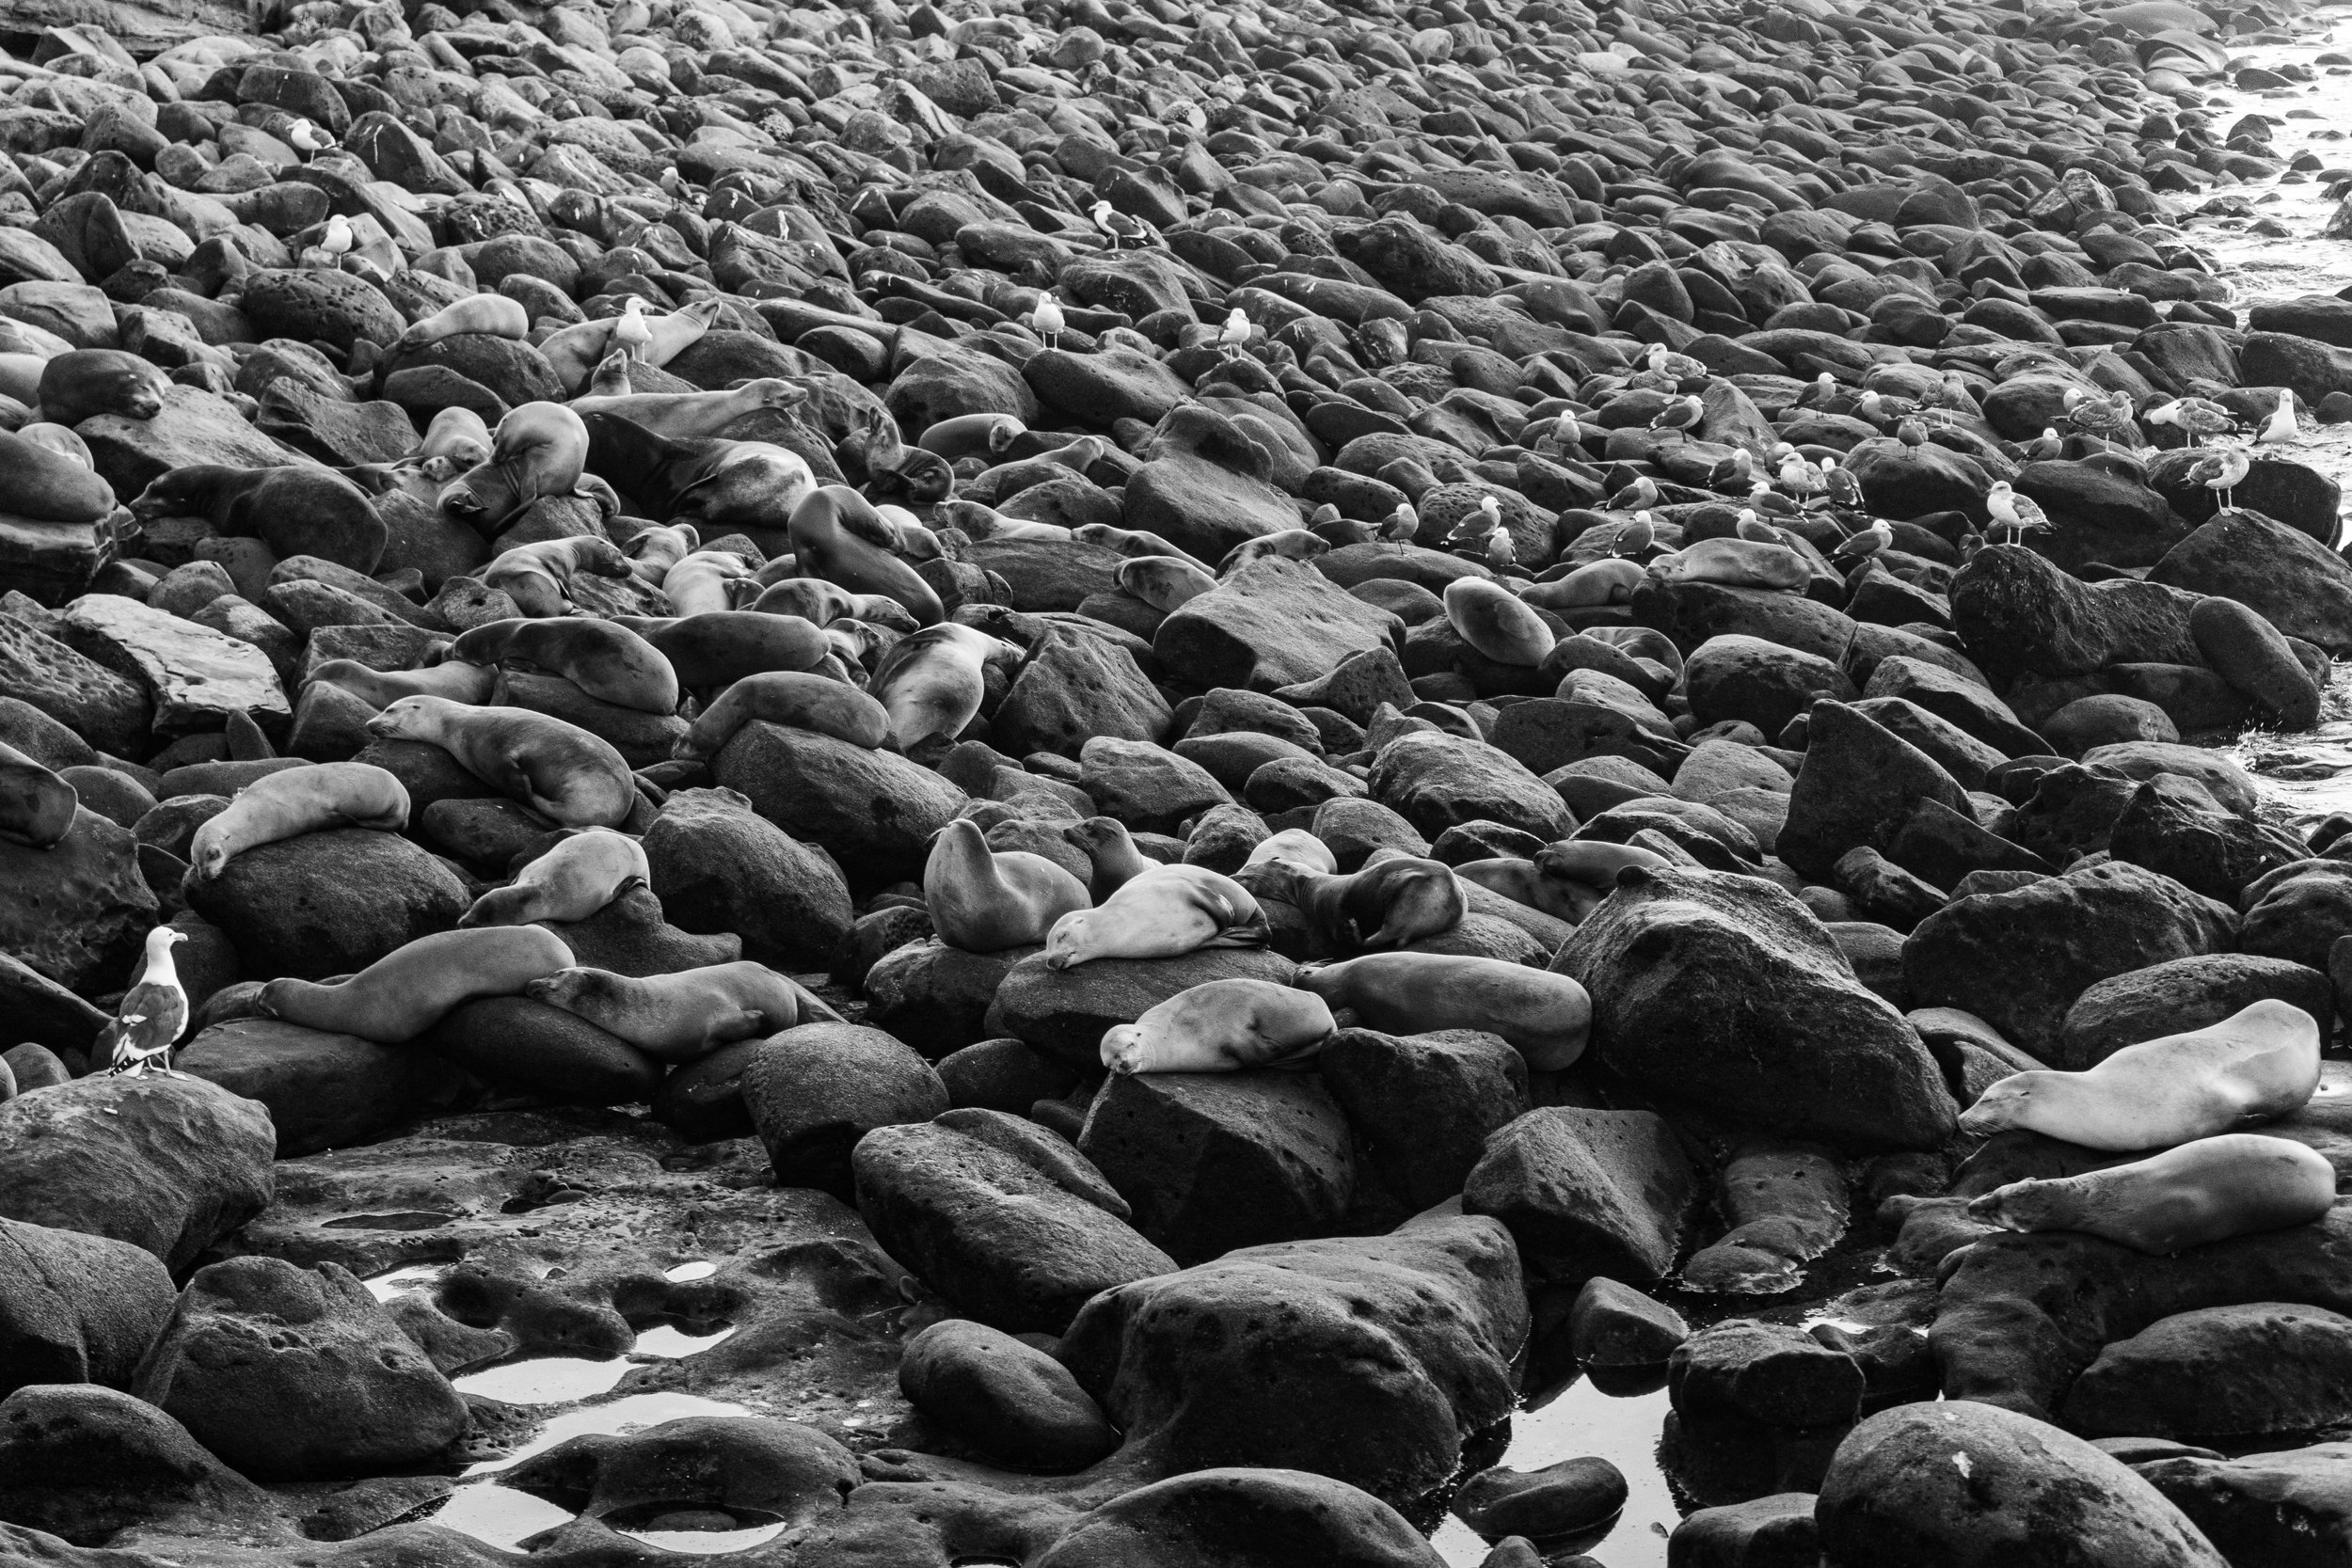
(707, 1543)
(416, 1277)
(686, 1271)
(1584, 1421)
(548, 1380)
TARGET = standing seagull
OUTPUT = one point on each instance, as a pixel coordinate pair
(1046, 320)
(2105, 418)
(2220, 471)
(2196, 417)
(2014, 513)
(1868, 541)
(153, 1013)
(1402, 524)
(1844, 490)
(2281, 425)
(1634, 538)
(1682, 416)
(1236, 333)
(632, 334)
(1118, 226)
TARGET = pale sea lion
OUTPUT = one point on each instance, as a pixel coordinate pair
(2200, 1192)
(685, 416)
(685, 1015)
(986, 522)
(1642, 642)
(837, 536)
(46, 485)
(1520, 881)
(471, 684)
(1112, 853)
(813, 599)
(653, 551)
(297, 800)
(537, 577)
(607, 661)
(1734, 564)
(494, 315)
(793, 698)
(37, 807)
(984, 901)
(1291, 544)
(458, 436)
(59, 439)
(563, 772)
(1603, 582)
(575, 879)
(1295, 845)
(930, 684)
(540, 448)
(1493, 620)
(1388, 904)
(704, 583)
(1163, 581)
(971, 435)
(2257, 1064)
(1163, 913)
(1134, 543)
(413, 986)
(1220, 1026)
(1547, 1017)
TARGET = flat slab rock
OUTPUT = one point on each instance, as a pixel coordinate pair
(197, 675)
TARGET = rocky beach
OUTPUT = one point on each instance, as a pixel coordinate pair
(1090, 783)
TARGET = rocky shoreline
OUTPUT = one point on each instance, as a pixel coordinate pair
(1062, 785)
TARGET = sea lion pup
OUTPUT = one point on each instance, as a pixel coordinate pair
(607, 661)
(687, 1014)
(1291, 544)
(458, 436)
(2257, 1064)
(471, 684)
(1220, 1026)
(1113, 854)
(985, 901)
(704, 583)
(540, 448)
(1547, 1017)
(721, 645)
(1162, 913)
(1134, 542)
(413, 986)
(1494, 621)
(930, 684)
(567, 776)
(1734, 564)
(813, 599)
(694, 416)
(653, 551)
(986, 522)
(297, 800)
(985, 435)
(1162, 581)
(2203, 1192)
(493, 314)
(37, 807)
(837, 535)
(1603, 582)
(1579, 873)
(538, 576)
(574, 879)
(793, 698)
(1388, 904)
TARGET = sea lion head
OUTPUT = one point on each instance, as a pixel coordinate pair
(2006, 1104)
(272, 996)
(1124, 1049)
(501, 905)
(2029, 1204)
(409, 719)
(567, 988)
(83, 382)
(776, 392)
(1067, 942)
(181, 493)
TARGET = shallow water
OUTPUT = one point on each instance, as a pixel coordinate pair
(1584, 1421)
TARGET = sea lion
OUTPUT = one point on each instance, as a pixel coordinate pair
(1162, 913)
(458, 436)
(1220, 1026)
(985, 901)
(494, 315)
(1134, 542)
(86, 381)
(2200, 1192)
(1291, 544)
(607, 661)
(611, 378)
(971, 435)
(297, 800)
(690, 415)
(916, 541)
(540, 448)
(1547, 1017)
(1388, 904)
(986, 522)
(410, 988)
(931, 683)
(537, 576)
(1493, 620)
(860, 642)
(575, 351)
(1111, 852)
(684, 1015)
(1734, 564)
(1520, 881)
(814, 600)
(1295, 845)
(653, 551)
(1603, 582)
(1643, 643)
(61, 440)
(575, 879)
(471, 684)
(717, 646)
(704, 583)
(1163, 581)
(1008, 480)
(37, 807)
(836, 535)
(45, 485)
(299, 509)
(2259, 1063)
(793, 698)
(1579, 873)
(563, 772)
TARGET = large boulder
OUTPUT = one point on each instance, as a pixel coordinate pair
(2021, 615)
(815, 1090)
(2231, 1374)
(2291, 579)
(1860, 784)
(1438, 781)
(329, 903)
(1274, 622)
(76, 1308)
(1724, 992)
(2173, 826)
(86, 1464)
(195, 677)
(1006, 1396)
(1243, 1517)
(2181, 994)
(874, 812)
(1423, 1105)
(322, 1090)
(717, 865)
(1586, 1194)
(76, 911)
(2290, 1508)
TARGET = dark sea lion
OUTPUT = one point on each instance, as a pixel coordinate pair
(723, 645)
(540, 448)
(300, 509)
(87, 381)
(569, 776)
(1388, 904)
(721, 487)
(837, 535)
(610, 662)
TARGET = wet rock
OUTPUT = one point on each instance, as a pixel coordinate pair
(2182, 994)
(1775, 1531)
(76, 1308)
(86, 1464)
(1587, 1193)
(815, 1090)
(2225, 1372)
(322, 1090)
(1424, 1105)
(2288, 1507)
(2291, 580)
(1772, 1374)
(2173, 826)
(1013, 1401)
(766, 1468)
(1569, 1498)
(1248, 1517)
(719, 866)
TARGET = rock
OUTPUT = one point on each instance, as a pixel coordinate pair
(169, 1164)
(1860, 784)
(322, 1090)
(1611, 1324)
(1587, 1193)
(1008, 1399)
(1959, 701)
(936, 997)
(1771, 1374)
(2289, 1508)
(329, 903)
(815, 1090)
(295, 1374)
(719, 866)
(1206, 509)
(77, 913)
(2172, 825)
(873, 811)
(1072, 688)
(1725, 994)
(1006, 1222)
(2019, 960)
(1063, 1013)
(1437, 780)
(76, 1308)
(1273, 624)
(104, 708)
(2023, 616)
(1424, 1105)
(2297, 912)
(1897, 1492)
(1785, 1204)
(2234, 1374)
(1243, 1517)
(1568, 1498)
(1738, 677)
(88, 1463)
(195, 677)
(1775, 1531)
(2254, 656)
(528, 1047)
(2297, 585)
(330, 306)
(628, 936)
(1210, 1161)
(1145, 785)
(2182, 994)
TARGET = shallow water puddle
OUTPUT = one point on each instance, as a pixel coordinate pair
(686, 1271)
(707, 1543)
(1584, 1421)
(547, 1380)
(501, 1516)
(414, 1277)
(672, 1343)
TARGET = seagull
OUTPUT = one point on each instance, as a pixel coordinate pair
(154, 1011)
(631, 333)
(1236, 334)
(1734, 472)
(308, 139)
(1953, 394)
(1880, 410)
(2220, 471)
(1797, 477)
(1118, 224)
(2281, 425)
(1402, 524)
(1501, 552)
(1844, 490)
(2195, 416)
(2105, 418)
(2045, 447)
(2014, 513)
(1682, 414)
(1752, 527)
(1642, 492)
(1868, 541)
(1046, 321)
(338, 236)
(1662, 360)
(1912, 432)
(1824, 387)
(1633, 538)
